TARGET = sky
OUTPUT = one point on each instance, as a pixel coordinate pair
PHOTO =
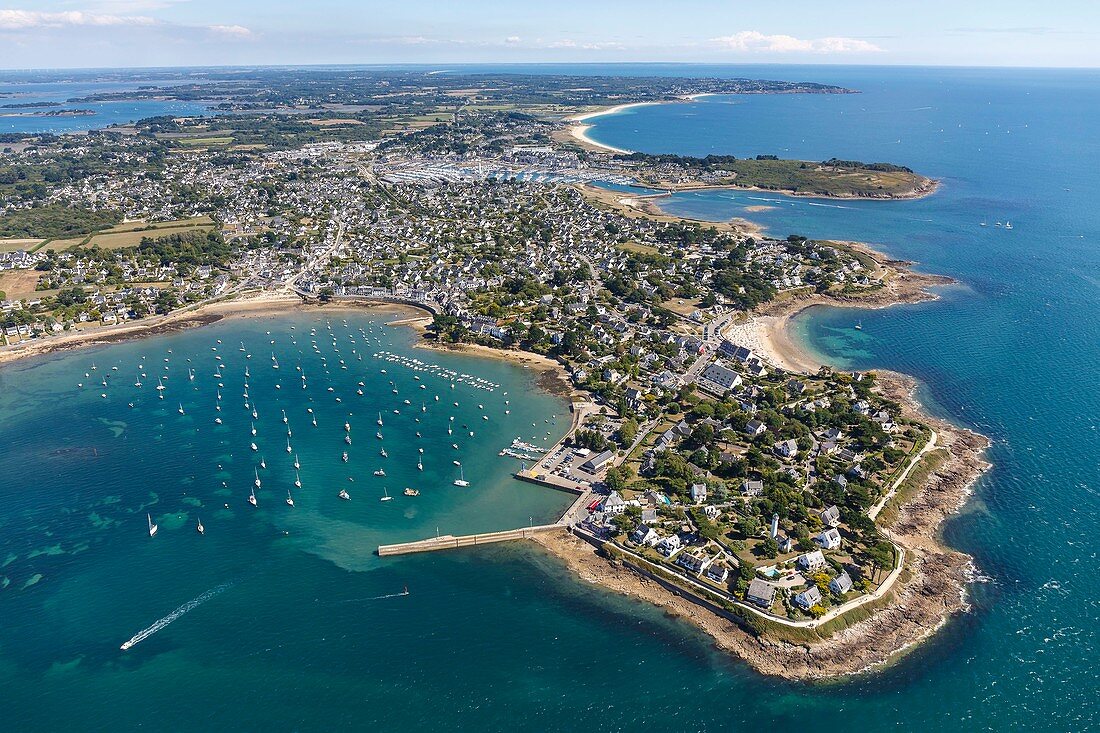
(141, 33)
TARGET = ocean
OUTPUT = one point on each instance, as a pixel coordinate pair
(292, 629)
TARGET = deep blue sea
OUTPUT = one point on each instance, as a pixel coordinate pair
(291, 632)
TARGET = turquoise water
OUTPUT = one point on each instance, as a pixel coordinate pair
(500, 637)
(1011, 351)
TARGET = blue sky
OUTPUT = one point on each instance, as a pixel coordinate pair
(103, 33)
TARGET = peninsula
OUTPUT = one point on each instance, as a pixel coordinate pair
(788, 509)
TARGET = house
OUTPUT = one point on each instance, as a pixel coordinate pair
(841, 584)
(752, 487)
(698, 493)
(718, 573)
(649, 516)
(754, 428)
(808, 598)
(786, 448)
(829, 539)
(669, 545)
(597, 462)
(613, 504)
(712, 512)
(811, 560)
(645, 535)
(830, 516)
(786, 544)
(760, 593)
(722, 376)
(692, 562)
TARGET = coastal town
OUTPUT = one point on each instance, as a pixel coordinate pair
(697, 459)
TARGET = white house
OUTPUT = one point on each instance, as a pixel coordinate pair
(811, 560)
(829, 539)
(808, 598)
(841, 584)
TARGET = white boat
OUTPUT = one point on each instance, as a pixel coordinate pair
(288, 448)
(461, 480)
(344, 495)
(263, 462)
(199, 528)
(297, 480)
(378, 435)
(385, 495)
(297, 465)
(284, 417)
(253, 429)
(252, 498)
(289, 498)
(380, 472)
(380, 419)
(257, 481)
(383, 453)
(255, 447)
(345, 457)
(152, 527)
(181, 409)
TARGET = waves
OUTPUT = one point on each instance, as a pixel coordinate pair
(185, 608)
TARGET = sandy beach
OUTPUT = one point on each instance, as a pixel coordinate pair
(251, 306)
(577, 131)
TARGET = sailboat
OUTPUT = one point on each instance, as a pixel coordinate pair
(380, 419)
(289, 498)
(297, 464)
(344, 457)
(152, 527)
(385, 495)
(344, 495)
(181, 409)
(859, 326)
(288, 448)
(252, 498)
(297, 480)
(257, 481)
(461, 480)
(199, 528)
(253, 428)
(284, 417)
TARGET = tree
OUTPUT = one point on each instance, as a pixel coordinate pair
(618, 477)
(769, 548)
(628, 431)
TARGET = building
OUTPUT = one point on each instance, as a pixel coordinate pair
(669, 545)
(811, 560)
(760, 593)
(645, 535)
(698, 493)
(596, 463)
(830, 516)
(613, 504)
(786, 448)
(808, 598)
(829, 539)
(841, 584)
(754, 428)
(722, 376)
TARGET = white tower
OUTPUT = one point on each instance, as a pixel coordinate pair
(775, 526)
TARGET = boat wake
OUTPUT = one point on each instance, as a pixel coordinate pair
(402, 594)
(185, 608)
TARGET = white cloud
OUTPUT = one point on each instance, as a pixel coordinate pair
(230, 31)
(757, 42)
(27, 19)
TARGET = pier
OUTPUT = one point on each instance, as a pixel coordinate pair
(451, 542)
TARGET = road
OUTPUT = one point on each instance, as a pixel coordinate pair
(318, 259)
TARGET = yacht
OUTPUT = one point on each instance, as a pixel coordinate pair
(257, 481)
(181, 409)
(252, 498)
(297, 464)
(380, 419)
(152, 527)
(199, 528)
(345, 457)
(461, 480)
(289, 498)
(297, 480)
(385, 495)
(380, 472)
(412, 492)
(288, 448)
(253, 429)
(344, 495)
(383, 453)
